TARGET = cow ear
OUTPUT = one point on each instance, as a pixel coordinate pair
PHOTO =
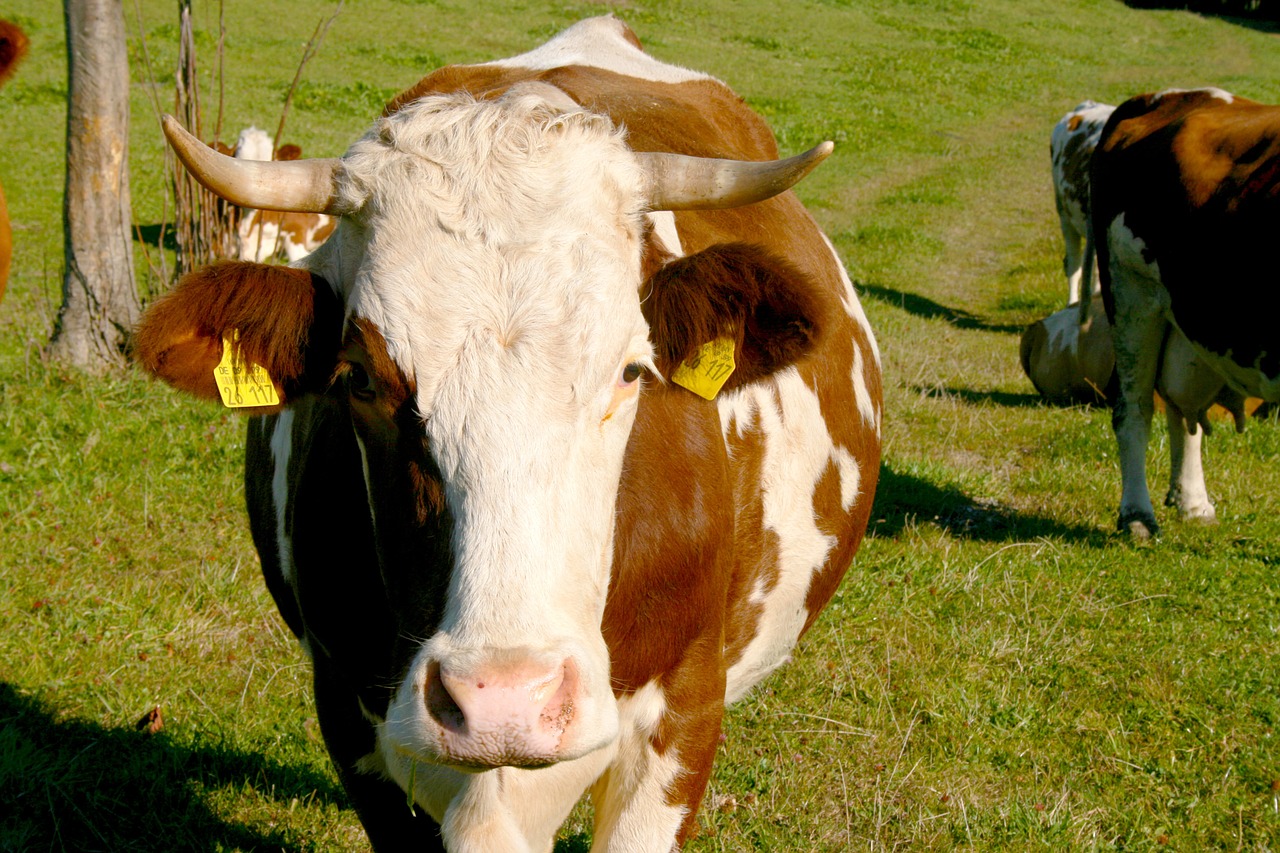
(734, 290)
(286, 320)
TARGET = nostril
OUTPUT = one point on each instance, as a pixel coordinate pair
(441, 705)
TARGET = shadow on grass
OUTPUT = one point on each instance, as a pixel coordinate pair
(1266, 18)
(1004, 398)
(903, 499)
(921, 306)
(73, 785)
(152, 235)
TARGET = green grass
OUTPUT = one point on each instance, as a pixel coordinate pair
(998, 671)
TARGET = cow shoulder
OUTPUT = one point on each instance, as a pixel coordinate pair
(289, 321)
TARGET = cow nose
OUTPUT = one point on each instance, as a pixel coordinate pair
(513, 712)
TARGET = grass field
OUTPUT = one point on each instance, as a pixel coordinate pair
(999, 671)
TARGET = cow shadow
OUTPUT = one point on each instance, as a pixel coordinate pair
(68, 784)
(904, 499)
(1007, 399)
(925, 308)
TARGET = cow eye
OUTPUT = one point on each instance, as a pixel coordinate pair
(632, 372)
(359, 382)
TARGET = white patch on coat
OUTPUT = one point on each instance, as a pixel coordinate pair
(664, 228)
(1070, 151)
(871, 413)
(632, 812)
(1212, 91)
(513, 809)
(258, 239)
(253, 144)
(281, 449)
(600, 43)
(798, 449)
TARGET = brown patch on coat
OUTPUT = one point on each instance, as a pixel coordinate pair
(673, 551)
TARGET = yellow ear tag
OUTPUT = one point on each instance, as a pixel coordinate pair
(242, 383)
(708, 369)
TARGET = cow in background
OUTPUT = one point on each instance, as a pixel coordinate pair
(1067, 355)
(524, 559)
(1070, 149)
(1185, 209)
(13, 47)
(1067, 359)
(262, 234)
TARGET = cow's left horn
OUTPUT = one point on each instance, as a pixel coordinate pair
(304, 186)
(681, 182)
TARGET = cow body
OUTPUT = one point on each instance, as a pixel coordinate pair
(1186, 200)
(521, 572)
(263, 234)
(1070, 150)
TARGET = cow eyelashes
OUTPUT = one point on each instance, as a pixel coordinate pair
(632, 372)
(358, 381)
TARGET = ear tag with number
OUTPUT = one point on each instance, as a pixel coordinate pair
(705, 372)
(242, 383)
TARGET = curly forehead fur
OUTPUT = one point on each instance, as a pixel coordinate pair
(488, 168)
(495, 237)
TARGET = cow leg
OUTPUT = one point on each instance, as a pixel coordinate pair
(1187, 491)
(1072, 257)
(1137, 334)
(381, 805)
(648, 800)
(1189, 388)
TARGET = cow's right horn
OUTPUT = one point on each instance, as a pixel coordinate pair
(304, 186)
(681, 182)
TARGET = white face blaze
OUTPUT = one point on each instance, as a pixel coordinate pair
(496, 246)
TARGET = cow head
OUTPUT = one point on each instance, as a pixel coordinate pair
(490, 311)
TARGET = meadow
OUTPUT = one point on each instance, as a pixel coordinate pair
(999, 671)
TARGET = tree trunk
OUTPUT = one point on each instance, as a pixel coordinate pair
(99, 297)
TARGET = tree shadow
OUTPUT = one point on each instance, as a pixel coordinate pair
(921, 306)
(1265, 18)
(903, 499)
(153, 235)
(74, 785)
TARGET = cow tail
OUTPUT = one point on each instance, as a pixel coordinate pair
(1087, 284)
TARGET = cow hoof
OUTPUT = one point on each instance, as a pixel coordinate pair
(1139, 526)
(1199, 514)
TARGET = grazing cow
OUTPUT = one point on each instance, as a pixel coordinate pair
(13, 47)
(1070, 149)
(524, 560)
(1185, 204)
(1068, 360)
(264, 233)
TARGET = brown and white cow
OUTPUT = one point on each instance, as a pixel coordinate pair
(524, 561)
(263, 234)
(13, 47)
(1070, 149)
(1186, 204)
